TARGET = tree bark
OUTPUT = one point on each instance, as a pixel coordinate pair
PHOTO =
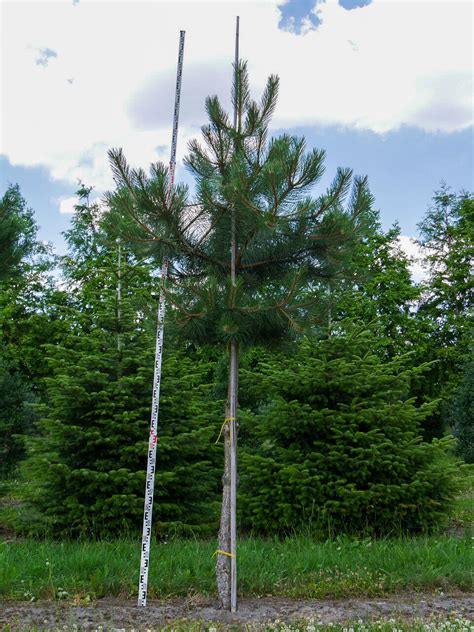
(226, 565)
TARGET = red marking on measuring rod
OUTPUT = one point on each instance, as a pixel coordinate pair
(151, 460)
(153, 437)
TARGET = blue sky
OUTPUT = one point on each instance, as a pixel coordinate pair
(383, 86)
(296, 15)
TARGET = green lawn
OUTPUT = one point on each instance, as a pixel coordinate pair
(295, 567)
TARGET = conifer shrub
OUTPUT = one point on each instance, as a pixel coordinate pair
(89, 458)
(337, 448)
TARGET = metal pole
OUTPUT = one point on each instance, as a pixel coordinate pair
(151, 465)
(234, 375)
(119, 296)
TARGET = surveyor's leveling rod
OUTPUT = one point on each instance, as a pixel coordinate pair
(151, 463)
(174, 138)
(234, 373)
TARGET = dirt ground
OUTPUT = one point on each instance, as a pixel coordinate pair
(113, 614)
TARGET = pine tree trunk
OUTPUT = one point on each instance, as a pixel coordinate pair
(226, 565)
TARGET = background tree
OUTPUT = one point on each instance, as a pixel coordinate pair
(461, 413)
(15, 415)
(380, 293)
(447, 304)
(286, 240)
(17, 232)
(27, 320)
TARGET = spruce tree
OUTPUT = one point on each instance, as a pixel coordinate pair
(336, 448)
(287, 240)
(87, 462)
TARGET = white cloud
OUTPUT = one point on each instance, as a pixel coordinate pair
(66, 205)
(415, 255)
(411, 67)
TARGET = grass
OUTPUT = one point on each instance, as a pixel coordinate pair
(297, 567)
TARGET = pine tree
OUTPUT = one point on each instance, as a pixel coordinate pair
(336, 447)
(286, 240)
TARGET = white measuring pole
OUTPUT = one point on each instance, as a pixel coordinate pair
(174, 138)
(234, 378)
(151, 462)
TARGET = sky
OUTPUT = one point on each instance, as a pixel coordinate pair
(384, 86)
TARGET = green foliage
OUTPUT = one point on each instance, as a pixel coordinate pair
(31, 306)
(446, 309)
(447, 235)
(339, 447)
(461, 414)
(381, 294)
(15, 416)
(286, 240)
(17, 232)
(25, 322)
(88, 460)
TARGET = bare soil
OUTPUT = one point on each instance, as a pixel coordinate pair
(113, 614)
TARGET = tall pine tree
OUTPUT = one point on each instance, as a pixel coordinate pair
(286, 240)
